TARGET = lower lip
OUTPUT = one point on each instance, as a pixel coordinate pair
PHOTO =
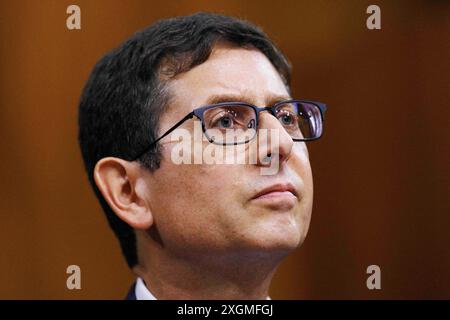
(278, 199)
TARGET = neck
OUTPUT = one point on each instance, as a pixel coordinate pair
(235, 275)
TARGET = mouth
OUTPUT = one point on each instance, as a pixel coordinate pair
(277, 192)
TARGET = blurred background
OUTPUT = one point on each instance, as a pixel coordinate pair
(381, 170)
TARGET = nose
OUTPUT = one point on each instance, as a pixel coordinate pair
(273, 140)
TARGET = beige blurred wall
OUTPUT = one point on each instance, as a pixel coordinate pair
(381, 170)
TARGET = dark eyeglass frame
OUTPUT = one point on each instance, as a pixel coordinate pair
(198, 112)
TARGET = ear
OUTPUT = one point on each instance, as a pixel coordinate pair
(122, 185)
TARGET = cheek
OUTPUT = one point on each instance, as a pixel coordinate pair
(189, 202)
(299, 163)
(300, 167)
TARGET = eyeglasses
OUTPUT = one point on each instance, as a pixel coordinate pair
(233, 123)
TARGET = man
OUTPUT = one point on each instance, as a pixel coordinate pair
(201, 230)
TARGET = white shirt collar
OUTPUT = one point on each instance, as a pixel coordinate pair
(142, 292)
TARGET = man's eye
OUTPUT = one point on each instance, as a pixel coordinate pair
(287, 119)
(225, 122)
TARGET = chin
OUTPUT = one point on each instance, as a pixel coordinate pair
(285, 242)
(273, 232)
(282, 240)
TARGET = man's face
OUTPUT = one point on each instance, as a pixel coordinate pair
(201, 208)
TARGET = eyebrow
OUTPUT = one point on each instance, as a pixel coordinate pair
(241, 98)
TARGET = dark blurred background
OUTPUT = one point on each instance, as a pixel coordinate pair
(381, 171)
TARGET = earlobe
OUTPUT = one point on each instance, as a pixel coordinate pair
(120, 183)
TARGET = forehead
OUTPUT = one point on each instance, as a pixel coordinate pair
(231, 71)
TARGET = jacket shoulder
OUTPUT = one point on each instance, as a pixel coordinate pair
(131, 295)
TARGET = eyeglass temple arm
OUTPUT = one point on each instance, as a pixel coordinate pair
(188, 116)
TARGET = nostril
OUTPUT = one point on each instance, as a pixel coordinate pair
(267, 159)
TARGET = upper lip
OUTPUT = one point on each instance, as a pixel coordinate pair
(279, 187)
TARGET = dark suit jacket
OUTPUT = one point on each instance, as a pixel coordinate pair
(132, 293)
